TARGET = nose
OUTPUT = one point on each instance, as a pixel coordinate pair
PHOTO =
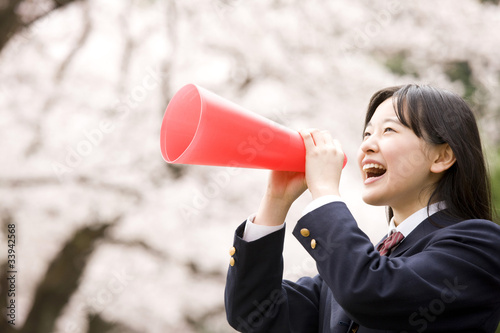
(369, 144)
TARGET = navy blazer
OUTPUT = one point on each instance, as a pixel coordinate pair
(443, 277)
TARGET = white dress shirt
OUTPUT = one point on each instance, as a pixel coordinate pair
(412, 221)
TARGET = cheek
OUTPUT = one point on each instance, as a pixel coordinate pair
(360, 157)
(407, 162)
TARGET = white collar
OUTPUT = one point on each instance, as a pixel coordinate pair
(410, 223)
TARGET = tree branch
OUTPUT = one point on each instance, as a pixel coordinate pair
(13, 20)
(62, 278)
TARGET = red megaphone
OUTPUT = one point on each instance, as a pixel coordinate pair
(200, 127)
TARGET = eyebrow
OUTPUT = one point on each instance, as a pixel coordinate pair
(387, 120)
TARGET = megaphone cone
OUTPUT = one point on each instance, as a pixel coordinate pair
(200, 127)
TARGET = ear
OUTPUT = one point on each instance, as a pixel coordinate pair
(444, 158)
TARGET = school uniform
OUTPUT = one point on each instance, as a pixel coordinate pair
(443, 277)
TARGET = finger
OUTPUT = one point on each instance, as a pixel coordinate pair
(322, 137)
(337, 145)
(308, 139)
(326, 138)
(311, 129)
(339, 149)
(317, 136)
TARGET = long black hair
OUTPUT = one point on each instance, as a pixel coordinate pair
(439, 116)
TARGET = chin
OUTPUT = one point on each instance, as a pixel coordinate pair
(373, 200)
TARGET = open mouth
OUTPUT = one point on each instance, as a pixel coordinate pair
(373, 170)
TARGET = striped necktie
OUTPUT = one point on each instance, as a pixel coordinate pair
(390, 242)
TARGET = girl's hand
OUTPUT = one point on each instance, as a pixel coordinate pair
(324, 161)
(286, 186)
(283, 188)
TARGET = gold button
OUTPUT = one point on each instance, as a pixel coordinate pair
(232, 251)
(305, 232)
(231, 261)
(313, 243)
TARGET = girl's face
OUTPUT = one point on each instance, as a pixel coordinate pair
(395, 163)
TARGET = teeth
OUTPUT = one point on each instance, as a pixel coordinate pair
(372, 166)
(373, 170)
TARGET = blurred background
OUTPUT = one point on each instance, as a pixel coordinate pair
(110, 238)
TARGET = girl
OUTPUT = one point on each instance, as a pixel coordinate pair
(437, 271)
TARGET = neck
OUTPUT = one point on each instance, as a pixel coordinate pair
(405, 208)
(402, 213)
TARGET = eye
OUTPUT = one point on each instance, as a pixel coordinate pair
(389, 129)
(366, 134)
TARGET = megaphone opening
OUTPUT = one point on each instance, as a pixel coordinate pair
(180, 123)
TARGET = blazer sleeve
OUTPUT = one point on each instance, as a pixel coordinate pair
(256, 297)
(445, 282)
